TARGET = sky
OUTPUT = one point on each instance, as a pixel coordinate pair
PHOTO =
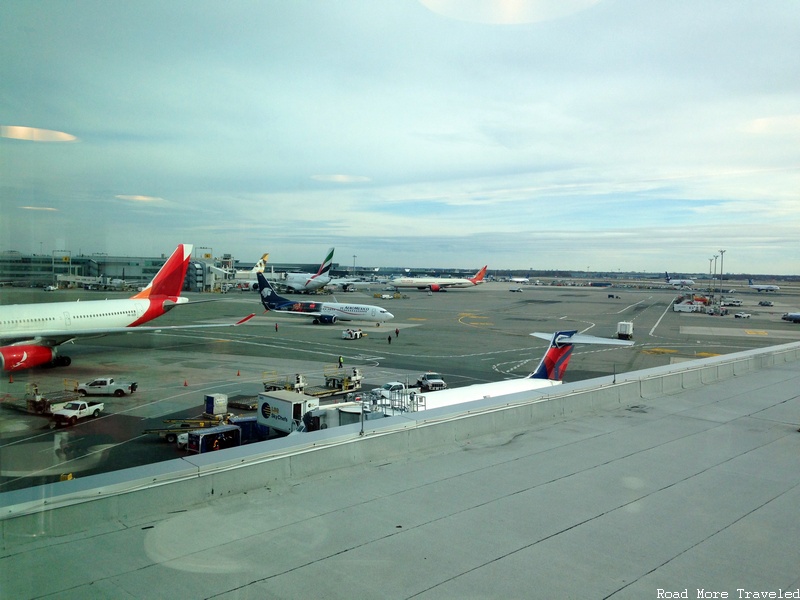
(599, 135)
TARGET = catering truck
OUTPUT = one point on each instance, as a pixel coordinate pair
(282, 411)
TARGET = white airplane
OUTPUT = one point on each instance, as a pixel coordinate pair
(762, 287)
(321, 312)
(437, 284)
(678, 282)
(548, 373)
(247, 279)
(308, 282)
(31, 333)
(520, 280)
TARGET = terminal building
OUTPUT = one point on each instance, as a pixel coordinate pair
(102, 271)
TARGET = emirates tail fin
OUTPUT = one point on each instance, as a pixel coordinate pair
(326, 264)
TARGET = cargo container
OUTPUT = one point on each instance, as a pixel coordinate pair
(282, 411)
(214, 438)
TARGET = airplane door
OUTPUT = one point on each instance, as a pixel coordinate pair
(66, 319)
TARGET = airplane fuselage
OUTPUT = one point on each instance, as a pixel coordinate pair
(426, 282)
(71, 317)
(304, 282)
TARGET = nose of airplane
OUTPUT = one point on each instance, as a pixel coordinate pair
(389, 315)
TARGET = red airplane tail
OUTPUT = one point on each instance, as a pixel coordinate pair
(479, 275)
(169, 279)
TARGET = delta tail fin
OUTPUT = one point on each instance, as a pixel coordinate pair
(479, 275)
(554, 363)
(168, 282)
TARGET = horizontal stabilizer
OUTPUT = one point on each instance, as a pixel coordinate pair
(578, 338)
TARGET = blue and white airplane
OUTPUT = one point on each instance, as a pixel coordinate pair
(678, 282)
(322, 312)
(762, 287)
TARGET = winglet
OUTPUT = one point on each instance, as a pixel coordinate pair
(479, 275)
(169, 279)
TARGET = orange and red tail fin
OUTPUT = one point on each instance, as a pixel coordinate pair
(479, 275)
(169, 279)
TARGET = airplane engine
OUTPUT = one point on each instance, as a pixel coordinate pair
(18, 358)
(327, 319)
(435, 288)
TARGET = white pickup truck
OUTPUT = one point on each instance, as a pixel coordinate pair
(430, 382)
(107, 386)
(78, 409)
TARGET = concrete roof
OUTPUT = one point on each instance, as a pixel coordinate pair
(684, 489)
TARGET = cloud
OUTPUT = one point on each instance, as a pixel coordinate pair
(34, 134)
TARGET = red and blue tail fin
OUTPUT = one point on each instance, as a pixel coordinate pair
(169, 279)
(555, 361)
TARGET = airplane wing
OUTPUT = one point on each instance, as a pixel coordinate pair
(57, 337)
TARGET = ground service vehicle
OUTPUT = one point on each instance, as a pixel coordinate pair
(766, 303)
(214, 438)
(282, 411)
(430, 382)
(107, 386)
(625, 330)
(793, 317)
(78, 409)
(741, 315)
(388, 390)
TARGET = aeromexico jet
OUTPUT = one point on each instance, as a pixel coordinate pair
(436, 284)
(320, 312)
(31, 333)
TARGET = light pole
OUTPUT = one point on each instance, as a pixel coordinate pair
(714, 279)
(721, 268)
(354, 265)
(710, 285)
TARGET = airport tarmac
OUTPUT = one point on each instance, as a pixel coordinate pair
(470, 336)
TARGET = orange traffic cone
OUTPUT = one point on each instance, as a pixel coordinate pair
(185, 383)
(11, 378)
(238, 373)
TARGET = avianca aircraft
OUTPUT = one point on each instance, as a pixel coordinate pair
(677, 282)
(436, 284)
(549, 372)
(31, 333)
(762, 287)
(321, 312)
(308, 282)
